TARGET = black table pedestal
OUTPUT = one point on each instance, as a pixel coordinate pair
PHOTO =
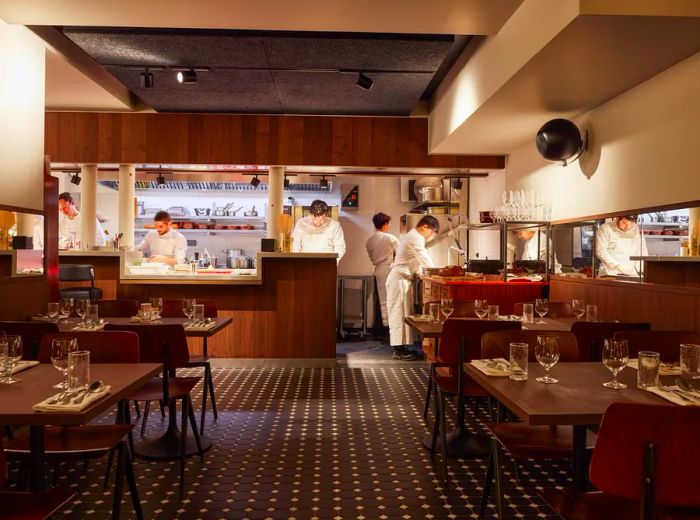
(462, 444)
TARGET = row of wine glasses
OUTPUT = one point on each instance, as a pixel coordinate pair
(522, 206)
(10, 355)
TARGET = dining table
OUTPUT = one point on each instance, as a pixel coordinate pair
(36, 384)
(579, 399)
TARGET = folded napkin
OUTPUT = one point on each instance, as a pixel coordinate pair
(421, 317)
(498, 367)
(24, 365)
(201, 326)
(41, 318)
(666, 369)
(70, 406)
(669, 393)
(88, 328)
(139, 319)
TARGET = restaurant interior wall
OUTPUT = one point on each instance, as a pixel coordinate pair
(642, 151)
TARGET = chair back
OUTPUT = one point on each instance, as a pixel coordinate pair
(3, 465)
(173, 308)
(665, 342)
(76, 273)
(617, 466)
(462, 308)
(31, 332)
(118, 308)
(556, 309)
(471, 330)
(104, 346)
(497, 344)
(158, 343)
(590, 336)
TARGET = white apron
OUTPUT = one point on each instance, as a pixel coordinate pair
(381, 273)
(399, 299)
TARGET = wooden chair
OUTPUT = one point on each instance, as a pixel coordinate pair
(645, 465)
(79, 273)
(590, 336)
(77, 443)
(173, 309)
(665, 342)
(31, 332)
(118, 308)
(556, 309)
(497, 344)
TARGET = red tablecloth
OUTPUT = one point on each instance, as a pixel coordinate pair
(503, 294)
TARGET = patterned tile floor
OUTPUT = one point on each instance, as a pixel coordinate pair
(307, 443)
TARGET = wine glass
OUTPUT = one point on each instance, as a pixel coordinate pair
(156, 308)
(447, 307)
(53, 310)
(65, 308)
(60, 348)
(579, 308)
(481, 308)
(81, 309)
(541, 308)
(188, 308)
(11, 353)
(615, 357)
(547, 354)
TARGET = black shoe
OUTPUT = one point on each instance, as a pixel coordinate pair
(403, 354)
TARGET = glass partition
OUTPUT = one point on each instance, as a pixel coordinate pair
(21, 243)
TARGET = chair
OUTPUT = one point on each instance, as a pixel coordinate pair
(173, 309)
(18, 505)
(556, 309)
(166, 344)
(590, 336)
(644, 465)
(665, 342)
(71, 443)
(497, 344)
(79, 273)
(31, 333)
(118, 308)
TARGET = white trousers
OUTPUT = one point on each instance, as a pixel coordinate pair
(399, 300)
(381, 273)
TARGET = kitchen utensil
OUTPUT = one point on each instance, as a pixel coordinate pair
(94, 388)
(232, 213)
(251, 213)
(178, 211)
(430, 194)
(202, 212)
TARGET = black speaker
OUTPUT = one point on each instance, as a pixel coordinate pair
(559, 140)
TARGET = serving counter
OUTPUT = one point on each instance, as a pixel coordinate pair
(681, 271)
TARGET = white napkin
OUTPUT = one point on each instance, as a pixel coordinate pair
(421, 317)
(201, 326)
(70, 406)
(675, 398)
(139, 319)
(88, 328)
(41, 318)
(664, 370)
(483, 366)
(24, 365)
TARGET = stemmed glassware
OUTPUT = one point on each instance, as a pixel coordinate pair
(447, 307)
(156, 308)
(10, 355)
(60, 348)
(547, 354)
(188, 309)
(81, 309)
(65, 308)
(579, 308)
(481, 308)
(53, 310)
(541, 308)
(615, 358)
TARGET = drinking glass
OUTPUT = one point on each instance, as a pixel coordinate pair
(433, 309)
(447, 307)
(690, 361)
(93, 315)
(615, 357)
(188, 309)
(198, 313)
(492, 312)
(648, 369)
(157, 307)
(81, 309)
(547, 354)
(518, 361)
(3, 354)
(528, 312)
(79, 369)
(11, 355)
(591, 313)
(579, 308)
(481, 308)
(146, 312)
(65, 308)
(53, 311)
(541, 308)
(60, 348)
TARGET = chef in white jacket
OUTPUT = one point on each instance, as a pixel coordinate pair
(164, 244)
(381, 249)
(318, 233)
(616, 241)
(69, 223)
(526, 247)
(411, 256)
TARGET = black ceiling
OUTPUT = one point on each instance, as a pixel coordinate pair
(274, 72)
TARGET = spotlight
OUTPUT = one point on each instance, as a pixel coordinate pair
(323, 183)
(457, 184)
(364, 82)
(146, 79)
(255, 182)
(286, 182)
(75, 179)
(188, 77)
(160, 180)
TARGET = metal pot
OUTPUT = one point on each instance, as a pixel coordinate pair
(429, 194)
(437, 210)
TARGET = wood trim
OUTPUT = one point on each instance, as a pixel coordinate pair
(637, 211)
(5, 207)
(50, 230)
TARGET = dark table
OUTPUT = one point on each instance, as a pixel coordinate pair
(36, 383)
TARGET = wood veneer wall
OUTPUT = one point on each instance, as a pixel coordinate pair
(83, 137)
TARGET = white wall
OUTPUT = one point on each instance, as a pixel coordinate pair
(22, 118)
(643, 151)
(485, 194)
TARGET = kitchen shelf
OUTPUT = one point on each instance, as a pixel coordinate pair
(665, 224)
(214, 231)
(192, 218)
(665, 237)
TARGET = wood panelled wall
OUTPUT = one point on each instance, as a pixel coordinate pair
(83, 137)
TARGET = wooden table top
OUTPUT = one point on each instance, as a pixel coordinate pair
(434, 329)
(36, 383)
(221, 323)
(578, 399)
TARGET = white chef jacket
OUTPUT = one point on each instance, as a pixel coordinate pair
(329, 238)
(614, 248)
(71, 226)
(172, 244)
(381, 248)
(527, 250)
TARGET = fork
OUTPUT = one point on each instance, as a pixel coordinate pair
(680, 394)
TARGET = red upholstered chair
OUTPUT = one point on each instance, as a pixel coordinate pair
(497, 344)
(645, 465)
(66, 443)
(31, 332)
(556, 309)
(591, 334)
(118, 308)
(173, 308)
(665, 342)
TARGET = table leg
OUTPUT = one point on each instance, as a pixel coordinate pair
(580, 460)
(205, 346)
(37, 455)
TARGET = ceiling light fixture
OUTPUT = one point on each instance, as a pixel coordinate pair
(323, 183)
(255, 182)
(146, 79)
(188, 77)
(75, 179)
(160, 180)
(364, 81)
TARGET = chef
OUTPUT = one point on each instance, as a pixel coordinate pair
(164, 244)
(527, 248)
(318, 233)
(381, 248)
(410, 257)
(616, 241)
(69, 224)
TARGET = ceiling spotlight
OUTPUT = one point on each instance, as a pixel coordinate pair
(286, 182)
(146, 79)
(364, 82)
(323, 183)
(457, 184)
(160, 180)
(75, 179)
(255, 182)
(188, 77)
